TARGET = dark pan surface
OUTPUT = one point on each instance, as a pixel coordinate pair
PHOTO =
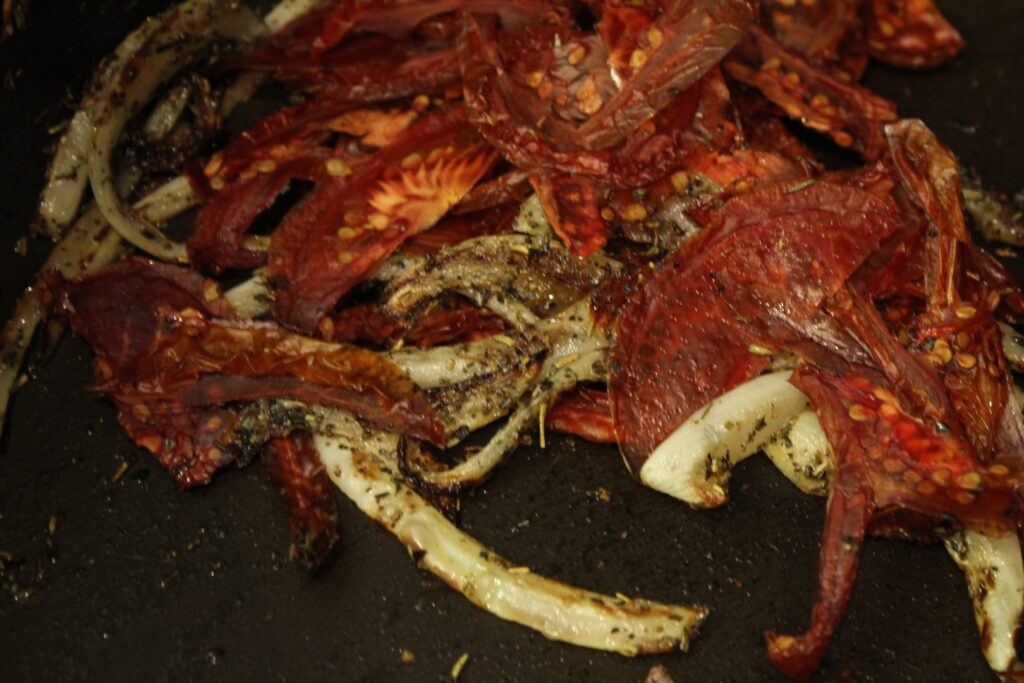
(144, 582)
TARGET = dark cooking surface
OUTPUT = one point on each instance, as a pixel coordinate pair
(144, 582)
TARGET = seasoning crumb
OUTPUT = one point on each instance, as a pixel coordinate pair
(541, 419)
(408, 656)
(120, 472)
(51, 526)
(21, 247)
(459, 665)
(759, 350)
(658, 674)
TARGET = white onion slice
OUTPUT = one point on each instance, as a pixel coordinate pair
(1013, 347)
(287, 11)
(250, 299)
(694, 463)
(558, 611)
(546, 387)
(177, 37)
(995, 578)
(88, 246)
(803, 455)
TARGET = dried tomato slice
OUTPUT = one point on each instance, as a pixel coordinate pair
(346, 227)
(457, 227)
(765, 265)
(533, 119)
(296, 471)
(366, 69)
(243, 180)
(930, 176)
(585, 412)
(451, 322)
(571, 207)
(680, 46)
(398, 17)
(911, 33)
(827, 32)
(888, 461)
(170, 367)
(850, 115)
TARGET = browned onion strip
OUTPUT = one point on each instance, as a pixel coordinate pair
(176, 38)
(365, 470)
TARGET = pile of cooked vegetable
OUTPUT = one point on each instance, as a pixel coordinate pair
(608, 218)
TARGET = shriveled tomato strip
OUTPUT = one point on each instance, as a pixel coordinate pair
(585, 412)
(397, 17)
(911, 34)
(367, 69)
(827, 32)
(295, 468)
(344, 228)
(888, 461)
(764, 267)
(526, 122)
(684, 43)
(165, 362)
(512, 187)
(457, 321)
(931, 178)
(571, 207)
(457, 227)
(243, 180)
(216, 242)
(852, 116)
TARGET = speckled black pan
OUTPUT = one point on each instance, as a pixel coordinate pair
(142, 582)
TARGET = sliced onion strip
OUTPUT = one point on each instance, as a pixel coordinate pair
(558, 611)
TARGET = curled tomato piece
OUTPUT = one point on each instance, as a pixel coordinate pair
(398, 17)
(829, 33)
(449, 323)
(890, 464)
(585, 412)
(346, 227)
(955, 331)
(169, 366)
(911, 33)
(367, 70)
(563, 110)
(680, 46)
(930, 176)
(294, 467)
(571, 206)
(850, 115)
(243, 180)
(757, 274)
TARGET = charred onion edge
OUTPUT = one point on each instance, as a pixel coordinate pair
(694, 463)
(177, 37)
(995, 579)
(162, 47)
(803, 455)
(556, 610)
(992, 565)
(68, 174)
(576, 353)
